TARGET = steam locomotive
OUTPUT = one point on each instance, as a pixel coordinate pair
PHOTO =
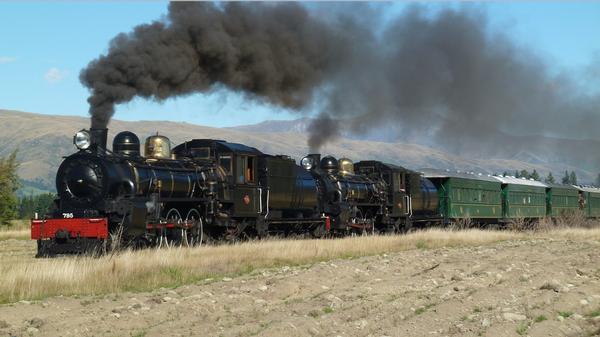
(207, 189)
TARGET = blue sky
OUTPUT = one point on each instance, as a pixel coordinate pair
(43, 46)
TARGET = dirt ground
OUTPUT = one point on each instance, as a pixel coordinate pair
(535, 287)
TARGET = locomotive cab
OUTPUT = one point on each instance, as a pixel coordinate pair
(239, 163)
(397, 180)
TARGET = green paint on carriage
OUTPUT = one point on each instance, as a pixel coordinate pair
(562, 200)
(466, 196)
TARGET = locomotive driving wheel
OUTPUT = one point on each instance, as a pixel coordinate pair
(236, 232)
(170, 236)
(195, 225)
(362, 225)
(369, 224)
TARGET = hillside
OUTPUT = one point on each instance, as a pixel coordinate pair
(43, 140)
(549, 151)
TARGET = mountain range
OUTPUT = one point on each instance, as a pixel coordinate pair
(42, 141)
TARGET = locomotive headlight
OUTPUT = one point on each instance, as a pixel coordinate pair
(307, 163)
(82, 140)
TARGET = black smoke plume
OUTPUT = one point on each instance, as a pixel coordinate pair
(445, 74)
(277, 53)
(448, 74)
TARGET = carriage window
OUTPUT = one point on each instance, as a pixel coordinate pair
(200, 152)
(225, 161)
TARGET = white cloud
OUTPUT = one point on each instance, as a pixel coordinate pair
(55, 75)
(7, 59)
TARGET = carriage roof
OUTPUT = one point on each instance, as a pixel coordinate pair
(219, 145)
(435, 173)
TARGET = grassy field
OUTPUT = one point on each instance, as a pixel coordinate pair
(23, 277)
(18, 230)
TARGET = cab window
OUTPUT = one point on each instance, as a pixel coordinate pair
(250, 169)
(399, 184)
(366, 170)
(200, 152)
(245, 169)
(386, 177)
(225, 161)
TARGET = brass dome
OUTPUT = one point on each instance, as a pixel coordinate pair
(157, 147)
(346, 166)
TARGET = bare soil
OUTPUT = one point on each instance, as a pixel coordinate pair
(536, 287)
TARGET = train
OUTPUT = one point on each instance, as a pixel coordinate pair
(207, 190)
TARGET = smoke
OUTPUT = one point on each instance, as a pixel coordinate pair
(450, 75)
(445, 74)
(275, 53)
(322, 128)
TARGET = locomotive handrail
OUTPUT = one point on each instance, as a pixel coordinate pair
(409, 205)
(260, 201)
(267, 212)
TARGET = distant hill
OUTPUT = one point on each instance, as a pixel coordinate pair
(299, 125)
(547, 151)
(43, 140)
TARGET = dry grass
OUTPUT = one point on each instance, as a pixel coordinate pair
(152, 268)
(18, 230)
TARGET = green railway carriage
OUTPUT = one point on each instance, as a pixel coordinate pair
(561, 200)
(522, 198)
(466, 196)
(590, 201)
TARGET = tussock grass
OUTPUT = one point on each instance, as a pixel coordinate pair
(152, 268)
(17, 234)
(18, 230)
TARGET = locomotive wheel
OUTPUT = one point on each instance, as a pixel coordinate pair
(236, 233)
(178, 233)
(404, 227)
(195, 234)
(369, 218)
(362, 225)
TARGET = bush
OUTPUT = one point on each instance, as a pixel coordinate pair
(9, 184)
(39, 204)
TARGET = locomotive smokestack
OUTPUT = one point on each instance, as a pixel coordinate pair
(316, 157)
(98, 139)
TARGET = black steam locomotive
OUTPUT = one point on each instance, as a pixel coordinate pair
(207, 189)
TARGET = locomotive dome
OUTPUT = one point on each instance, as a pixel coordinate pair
(346, 166)
(126, 143)
(329, 163)
(157, 147)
